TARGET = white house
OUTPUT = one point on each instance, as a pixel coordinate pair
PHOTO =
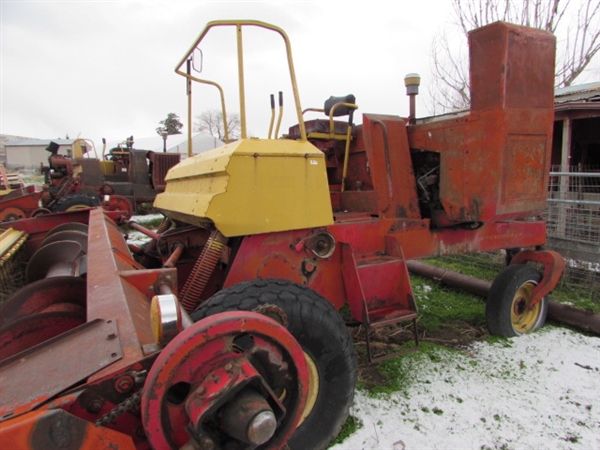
(30, 153)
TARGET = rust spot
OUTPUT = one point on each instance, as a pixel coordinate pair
(57, 429)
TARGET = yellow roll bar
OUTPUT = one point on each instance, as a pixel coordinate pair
(183, 69)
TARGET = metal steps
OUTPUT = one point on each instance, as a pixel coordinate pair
(378, 285)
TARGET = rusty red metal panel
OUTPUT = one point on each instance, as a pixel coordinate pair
(553, 263)
(525, 165)
(391, 167)
(495, 159)
(161, 163)
(117, 288)
(502, 57)
(50, 368)
(281, 255)
(56, 428)
(49, 294)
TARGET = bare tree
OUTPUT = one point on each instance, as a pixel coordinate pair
(575, 23)
(211, 122)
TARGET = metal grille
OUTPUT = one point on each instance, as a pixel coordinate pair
(161, 165)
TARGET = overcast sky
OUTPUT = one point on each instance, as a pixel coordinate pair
(106, 69)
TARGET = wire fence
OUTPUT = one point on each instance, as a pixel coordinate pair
(573, 220)
(573, 229)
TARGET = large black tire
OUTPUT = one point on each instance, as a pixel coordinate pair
(323, 335)
(506, 307)
(75, 201)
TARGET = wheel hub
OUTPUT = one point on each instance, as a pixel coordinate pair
(234, 379)
(524, 315)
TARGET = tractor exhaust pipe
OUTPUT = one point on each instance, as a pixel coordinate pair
(583, 319)
(412, 82)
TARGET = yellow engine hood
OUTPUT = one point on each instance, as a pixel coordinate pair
(250, 186)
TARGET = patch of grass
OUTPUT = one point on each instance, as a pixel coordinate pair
(441, 305)
(503, 341)
(472, 270)
(350, 426)
(488, 266)
(399, 372)
(576, 298)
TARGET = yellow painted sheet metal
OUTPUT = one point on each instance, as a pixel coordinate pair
(251, 186)
(107, 167)
(10, 241)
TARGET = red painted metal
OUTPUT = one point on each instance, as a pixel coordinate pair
(554, 265)
(495, 159)
(279, 255)
(202, 271)
(93, 345)
(50, 294)
(210, 363)
(35, 329)
(459, 184)
(119, 203)
(55, 428)
(161, 163)
(119, 287)
(175, 256)
(114, 351)
(20, 203)
(136, 226)
(390, 166)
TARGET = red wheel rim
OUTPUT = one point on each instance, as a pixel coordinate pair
(209, 347)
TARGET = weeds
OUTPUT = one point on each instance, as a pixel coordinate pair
(351, 425)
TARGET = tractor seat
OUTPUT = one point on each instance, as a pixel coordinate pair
(318, 126)
(328, 129)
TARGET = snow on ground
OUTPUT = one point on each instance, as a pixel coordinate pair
(539, 391)
(136, 237)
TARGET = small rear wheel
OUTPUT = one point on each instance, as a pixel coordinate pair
(324, 338)
(508, 312)
(75, 201)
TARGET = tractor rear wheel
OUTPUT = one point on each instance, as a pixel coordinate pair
(321, 332)
(75, 201)
(508, 312)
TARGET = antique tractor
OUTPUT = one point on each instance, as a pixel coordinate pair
(263, 242)
(124, 178)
